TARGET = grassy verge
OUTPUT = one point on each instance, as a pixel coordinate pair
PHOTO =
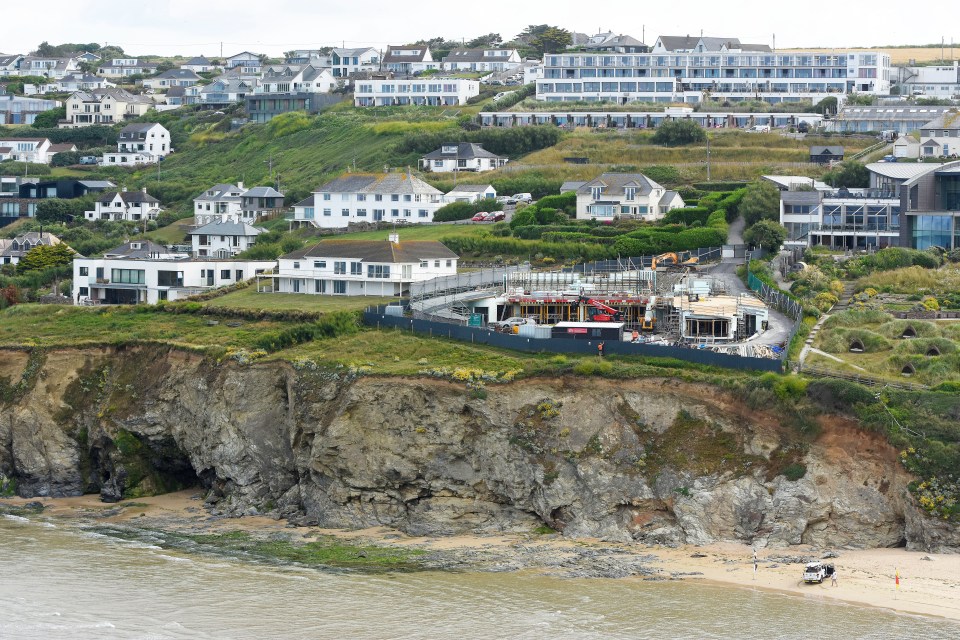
(249, 299)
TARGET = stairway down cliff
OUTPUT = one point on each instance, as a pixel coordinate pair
(651, 460)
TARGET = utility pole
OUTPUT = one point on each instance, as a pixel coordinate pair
(708, 157)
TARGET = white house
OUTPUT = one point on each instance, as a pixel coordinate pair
(223, 239)
(138, 144)
(172, 78)
(126, 67)
(246, 62)
(104, 106)
(12, 249)
(433, 91)
(470, 193)
(482, 60)
(199, 65)
(219, 203)
(941, 137)
(629, 195)
(224, 90)
(408, 60)
(36, 150)
(10, 64)
(296, 79)
(82, 82)
(463, 156)
(345, 62)
(141, 271)
(55, 68)
(356, 197)
(125, 205)
(363, 268)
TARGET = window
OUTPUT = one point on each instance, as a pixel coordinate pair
(595, 192)
(345, 213)
(378, 271)
(394, 197)
(378, 197)
(630, 193)
(127, 276)
(296, 265)
(436, 263)
(84, 271)
(319, 264)
(326, 196)
(84, 291)
(225, 274)
(406, 213)
(449, 263)
(356, 269)
(320, 286)
(361, 197)
(361, 213)
(170, 278)
(340, 286)
(394, 213)
(340, 267)
(345, 197)
(326, 212)
(422, 213)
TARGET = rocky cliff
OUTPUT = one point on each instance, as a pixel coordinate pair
(653, 460)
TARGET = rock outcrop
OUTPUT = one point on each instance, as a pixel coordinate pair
(651, 460)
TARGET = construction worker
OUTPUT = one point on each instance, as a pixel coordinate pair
(635, 336)
(600, 349)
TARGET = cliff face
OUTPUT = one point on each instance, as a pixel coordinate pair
(647, 460)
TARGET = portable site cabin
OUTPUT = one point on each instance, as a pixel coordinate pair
(588, 330)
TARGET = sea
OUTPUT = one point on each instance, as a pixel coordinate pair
(62, 581)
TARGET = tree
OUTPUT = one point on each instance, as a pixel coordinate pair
(49, 119)
(553, 40)
(849, 174)
(45, 256)
(767, 234)
(489, 40)
(761, 201)
(826, 106)
(523, 217)
(59, 210)
(65, 159)
(674, 133)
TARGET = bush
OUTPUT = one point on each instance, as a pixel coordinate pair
(675, 133)
(593, 367)
(464, 210)
(794, 472)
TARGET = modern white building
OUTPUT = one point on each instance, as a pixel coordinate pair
(346, 62)
(137, 144)
(433, 91)
(462, 156)
(694, 69)
(125, 205)
(223, 239)
(935, 81)
(408, 60)
(144, 272)
(625, 195)
(363, 268)
(35, 150)
(482, 60)
(470, 193)
(235, 203)
(353, 198)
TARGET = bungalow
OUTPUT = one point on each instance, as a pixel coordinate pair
(12, 249)
(141, 271)
(125, 205)
(138, 144)
(363, 268)
(172, 78)
(630, 195)
(482, 60)
(223, 239)
(470, 193)
(408, 60)
(199, 65)
(36, 150)
(10, 65)
(826, 154)
(463, 156)
(353, 198)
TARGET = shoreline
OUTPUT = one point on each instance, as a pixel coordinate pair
(929, 583)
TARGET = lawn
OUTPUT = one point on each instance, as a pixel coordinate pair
(249, 299)
(47, 326)
(421, 232)
(170, 234)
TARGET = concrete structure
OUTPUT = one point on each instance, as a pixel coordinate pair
(625, 195)
(358, 268)
(125, 205)
(223, 239)
(935, 81)
(434, 91)
(137, 144)
(690, 70)
(351, 198)
(462, 156)
(142, 271)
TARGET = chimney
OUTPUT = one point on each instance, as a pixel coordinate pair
(240, 185)
(123, 189)
(143, 189)
(394, 238)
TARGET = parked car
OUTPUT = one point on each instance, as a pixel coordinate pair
(508, 324)
(889, 158)
(520, 197)
(503, 199)
(479, 217)
(817, 572)
(497, 216)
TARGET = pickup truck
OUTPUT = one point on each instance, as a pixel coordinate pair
(817, 572)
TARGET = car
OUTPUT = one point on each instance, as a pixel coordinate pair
(889, 158)
(503, 199)
(496, 216)
(508, 324)
(521, 197)
(817, 572)
(479, 217)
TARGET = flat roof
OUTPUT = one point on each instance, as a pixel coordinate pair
(588, 325)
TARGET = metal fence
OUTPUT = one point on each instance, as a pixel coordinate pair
(376, 317)
(869, 381)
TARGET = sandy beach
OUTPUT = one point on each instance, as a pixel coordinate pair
(929, 583)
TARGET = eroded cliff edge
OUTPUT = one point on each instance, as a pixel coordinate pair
(653, 460)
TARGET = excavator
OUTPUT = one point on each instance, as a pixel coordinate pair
(608, 314)
(673, 261)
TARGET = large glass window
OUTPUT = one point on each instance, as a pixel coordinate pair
(930, 231)
(127, 276)
(378, 271)
(950, 192)
(170, 278)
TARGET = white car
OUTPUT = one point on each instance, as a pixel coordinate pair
(510, 323)
(817, 572)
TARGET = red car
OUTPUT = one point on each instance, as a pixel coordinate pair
(479, 217)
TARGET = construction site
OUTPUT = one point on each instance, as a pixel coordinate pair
(671, 301)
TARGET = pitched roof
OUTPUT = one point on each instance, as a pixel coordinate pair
(949, 120)
(261, 192)
(615, 183)
(227, 229)
(61, 147)
(378, 183)
(137, 131)
(413, 53)
(129, 197)
(824, 150)
(220, 192)
(179, 74)
(465, 151)
(137, 249)
(376, 251)
(471, 188)
(32, 237)
(306, 202)
(674, 43)
(198, 61)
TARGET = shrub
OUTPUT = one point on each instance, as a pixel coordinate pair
(675, 133)
(593, 367)
(794, 472)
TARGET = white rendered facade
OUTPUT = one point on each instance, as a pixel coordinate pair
(433, 91)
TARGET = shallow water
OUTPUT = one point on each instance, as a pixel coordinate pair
(62, 582)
